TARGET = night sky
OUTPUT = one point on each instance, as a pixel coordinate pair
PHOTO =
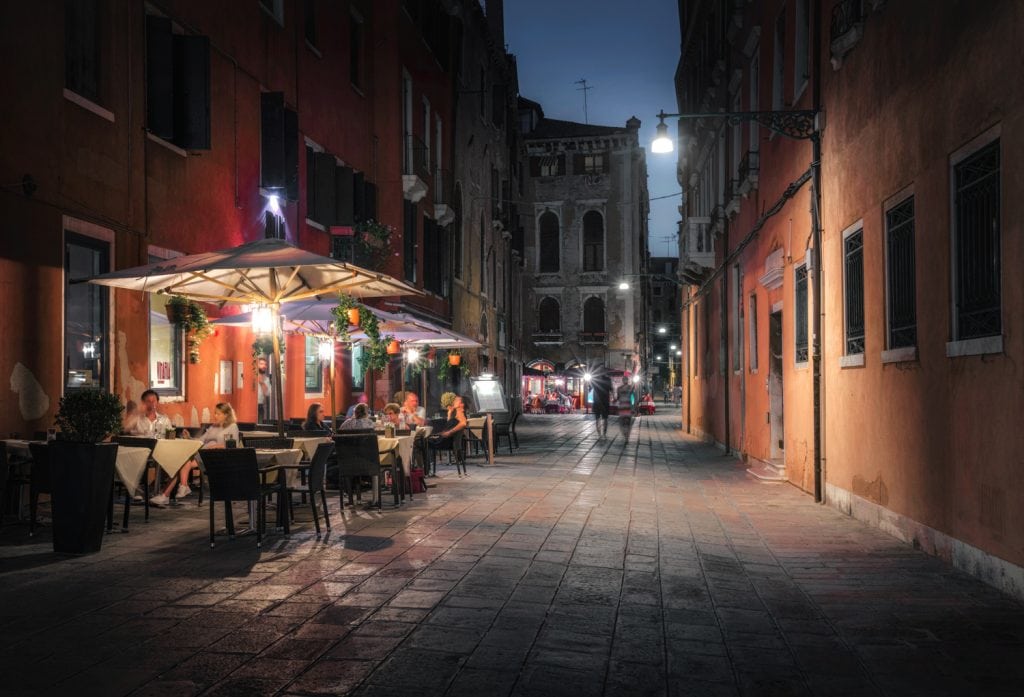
(628, 54)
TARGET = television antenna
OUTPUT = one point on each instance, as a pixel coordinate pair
(585, 88)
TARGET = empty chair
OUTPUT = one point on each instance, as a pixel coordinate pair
(269, 443)
(39, 482)
(135, 442)
(315, 482)
(502, 428)
(358, 456)
(233, 474)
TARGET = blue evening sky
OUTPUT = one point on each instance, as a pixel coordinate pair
(628, 52)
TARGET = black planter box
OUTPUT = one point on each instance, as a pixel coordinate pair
(81, 478)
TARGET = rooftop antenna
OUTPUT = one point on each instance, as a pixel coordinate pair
(584, 89)
(668, 244)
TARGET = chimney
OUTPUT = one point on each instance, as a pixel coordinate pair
(633, 124)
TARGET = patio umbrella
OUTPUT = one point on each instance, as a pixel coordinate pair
(265, 272)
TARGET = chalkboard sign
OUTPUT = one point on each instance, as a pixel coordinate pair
(489, 396)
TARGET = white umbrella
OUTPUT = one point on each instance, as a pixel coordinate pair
(265, 272)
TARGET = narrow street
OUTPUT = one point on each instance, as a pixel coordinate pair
(650, 565)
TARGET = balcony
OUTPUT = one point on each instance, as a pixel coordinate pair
(750, 169)
(542, 338)
(699, 242)
(415, 168)
(594, 338)
(442, 190)
(732, 197)
(846, 29)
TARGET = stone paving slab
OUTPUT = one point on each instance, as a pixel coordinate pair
(643, 563)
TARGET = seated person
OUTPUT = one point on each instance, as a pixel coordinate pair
(364, 400)
(360, 420)
(413, 415)
(131, 417)
(224, 428)
(151, 423)
(315, 418)
(393, 414)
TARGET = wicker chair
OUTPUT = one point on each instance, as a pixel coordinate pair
(234, 475)
(316, 482)
(269, 443)
(40, 480)
(358, 456)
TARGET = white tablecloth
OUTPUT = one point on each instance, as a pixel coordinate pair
(130, 466)
(309, 445)
(403, 444)
(172, 453)
(269, 458)
(258, 434)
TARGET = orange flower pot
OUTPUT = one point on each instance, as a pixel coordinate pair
(394, 348)
(454, 359)
(353, 316)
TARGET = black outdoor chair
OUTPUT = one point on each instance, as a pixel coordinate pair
(135, 442)
(39, 482)
(299, 433)
(275, 443)
(501, 426)
(358, 456)
(234, 474)
(265, 427)
(454, 446)
(316, 475)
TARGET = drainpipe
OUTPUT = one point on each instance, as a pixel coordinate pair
(817, 328)
(725, 332)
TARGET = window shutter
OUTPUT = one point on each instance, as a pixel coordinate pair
(159, 77)
(578, 164)
(310, 182)
(359, 197)
(272, 140)
(323, 211)
(192, 92)
(291, 154)
(371, 201)
(534, 166)
(344, 188)
(81, 47)
(561, 165)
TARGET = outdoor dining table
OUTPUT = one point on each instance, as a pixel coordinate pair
(130, 466)
(172, 453)
(308, 445)
(270, 458)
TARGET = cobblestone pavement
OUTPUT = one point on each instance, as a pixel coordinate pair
(639, 564)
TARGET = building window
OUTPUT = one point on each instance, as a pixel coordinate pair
(800, 320)
(657, 291)
(755, 97)
(407, 154)
(483, 93)
(82, 48)
(752, 333)
(549, 316)
(593, 241)
(853, 291)
(409, 245)
(274, 8)
(779, 61)
(549, 243)
(801, 42)
(86, 348)
(901, 298)
(737, 318)
(273, 226)
(593, 317)
(355, 50)
(314, 374)
(426, 133)
(484, 325)
(457, 232)
(165, 346)
(358, 374)
(594, 164)
(309, 14)
(976, 220)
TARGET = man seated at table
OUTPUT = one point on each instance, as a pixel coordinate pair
(360, 420)
(151, 423)
(413, 415)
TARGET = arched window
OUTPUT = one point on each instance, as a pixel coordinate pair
(593, 316)
(549, 243)
(483, 325)
(593, 241)
(549, 320)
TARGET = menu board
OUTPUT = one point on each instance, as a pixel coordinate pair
(489, 396)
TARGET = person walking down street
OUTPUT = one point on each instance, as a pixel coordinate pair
(677, 395)
(602, 386)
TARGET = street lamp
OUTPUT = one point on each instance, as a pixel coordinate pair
(662, 329)
(623, 285)
(662, 143)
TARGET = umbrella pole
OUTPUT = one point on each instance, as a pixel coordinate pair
(334, 411)
(278, 388)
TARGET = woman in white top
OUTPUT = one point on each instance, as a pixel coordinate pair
(223, 428)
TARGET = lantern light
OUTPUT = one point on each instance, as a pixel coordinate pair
(262, 319)
(662, 143)
(326, 350)
(412, 355)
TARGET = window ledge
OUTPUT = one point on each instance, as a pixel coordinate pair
(166, 143)
(853, 360)
(900, 355)
(753, 371)
(802, 365)
(88, 105)
(315, 225)
(975, 347)
(313, 395)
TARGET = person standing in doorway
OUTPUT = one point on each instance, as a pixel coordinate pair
(263, 391)
(601, 383)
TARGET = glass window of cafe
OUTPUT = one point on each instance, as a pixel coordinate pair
(86, 310)
(165, 347)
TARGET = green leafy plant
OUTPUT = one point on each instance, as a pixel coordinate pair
(444, 368)
(191, 317)
(375, 354)
(89, 416)
(372, 242)
(340, 311)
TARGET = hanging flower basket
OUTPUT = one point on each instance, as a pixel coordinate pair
(191, 317)
(177, 312)
(353, 316)
(454, 359)
(394, 348)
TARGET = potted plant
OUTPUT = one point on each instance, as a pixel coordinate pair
(347, 315)
(451, 367)
(373, 242)
(82, 469)
(394, 348)
(191, 317)
(454, 358)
